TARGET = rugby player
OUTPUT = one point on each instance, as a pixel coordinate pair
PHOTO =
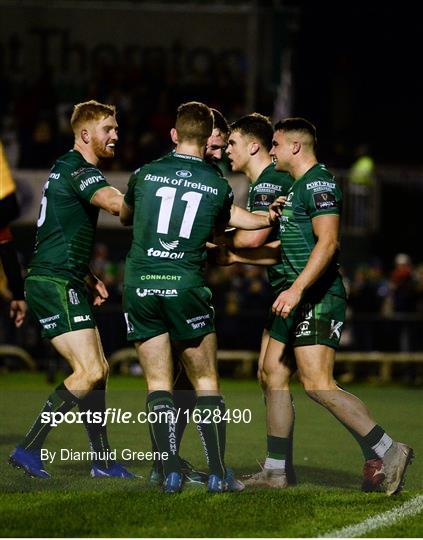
(184, 395)
(56, 285)
(175, 205)
(218, 140)
(250, 141)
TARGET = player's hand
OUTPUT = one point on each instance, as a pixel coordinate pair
(286, 302)
(275, 209)
(18, 311)
(100, 293)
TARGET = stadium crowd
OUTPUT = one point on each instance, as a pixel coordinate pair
(385, 304)
(34, 114)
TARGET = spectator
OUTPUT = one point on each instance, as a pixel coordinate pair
(368, 290)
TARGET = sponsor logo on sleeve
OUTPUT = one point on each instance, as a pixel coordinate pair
(320, 185)
(78, 172)
(324, 200)
(91, 180)
(263, 200)
(267, 187)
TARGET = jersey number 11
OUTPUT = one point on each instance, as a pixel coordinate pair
(167, 194)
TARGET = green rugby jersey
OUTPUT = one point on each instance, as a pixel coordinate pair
(269, 186)
(67, 221)
(178, 200)
(314, 194)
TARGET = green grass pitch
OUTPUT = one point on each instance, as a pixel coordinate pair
(327, 459)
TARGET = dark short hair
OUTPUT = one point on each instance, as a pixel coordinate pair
(256, 125)
(194, 122)
(220, 122)
(298, 124)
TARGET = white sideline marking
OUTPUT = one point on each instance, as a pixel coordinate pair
(410, 508)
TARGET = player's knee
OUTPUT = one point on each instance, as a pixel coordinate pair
(313, 394)
(159, 381)
(318, 389)
(276, 378)
(95, 376)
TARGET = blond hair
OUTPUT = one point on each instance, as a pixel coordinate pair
(89, 111)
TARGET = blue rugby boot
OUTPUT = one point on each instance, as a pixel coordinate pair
(229, 483)
(173, 483)
(216, 484)
(29, 461)
(233, 483)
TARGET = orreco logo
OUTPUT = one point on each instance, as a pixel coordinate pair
(156, 292)
(184, 174)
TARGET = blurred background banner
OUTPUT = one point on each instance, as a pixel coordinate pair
(74, 38)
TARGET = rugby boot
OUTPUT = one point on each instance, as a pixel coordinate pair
(29, 461)
(395, 463)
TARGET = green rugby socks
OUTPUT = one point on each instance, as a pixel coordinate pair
(212, 429)
(278, 449)
(378, 440)
(367, 450)
(163, 428)
(93, 405)
(184, 401)
(60, 401)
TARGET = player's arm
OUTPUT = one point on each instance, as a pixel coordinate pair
(326, 230)
(126, 214)
(240, 238)
(109, 199)
(265, 255)
(17, 311)
(242, 219)
(127, 209)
